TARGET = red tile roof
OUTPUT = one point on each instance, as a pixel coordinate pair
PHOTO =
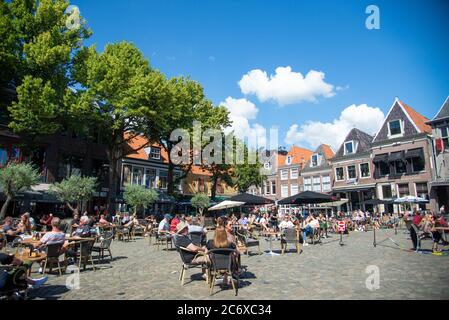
(328, 152)
(299, 156)
(135, 148)
(417, 118)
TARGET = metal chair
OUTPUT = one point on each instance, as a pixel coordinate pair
(104, 245)
(290, 236)
(186, 262)
(417, 236)
(197, 238)
(222, 261)
(18, 284)
(163, 238)
(248, 240)
(53, 252)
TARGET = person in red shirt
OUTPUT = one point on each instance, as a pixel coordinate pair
(417, 218)
(174, 222)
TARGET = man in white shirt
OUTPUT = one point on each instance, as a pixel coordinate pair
(286, 223)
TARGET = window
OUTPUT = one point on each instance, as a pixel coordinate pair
(422, 190)
(352, 174)
(314, 161)
(137, 176)
(316, 184)
(177, 183)
(400, 166)
(326, 183)
(127, 169)
(386, 192)
(395, 127)
(69, 165)
(3, 155)
(267, 188)
(273, 187)
(163, 175)
(284, 174)
(339, 175)
(307, 184)
(417, 164)
(284, 190)
(155, 153)
(150, 178)
(403, 190)
(288, 161)
(294, 189)
(364, 170)
(383, 168)
(445, 136)
(294, 173)
(349, 147)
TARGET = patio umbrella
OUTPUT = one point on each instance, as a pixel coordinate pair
(251, 199)
(411, 199)
(226, 204)
(308, 197)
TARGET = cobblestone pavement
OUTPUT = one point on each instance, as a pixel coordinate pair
(321, 271)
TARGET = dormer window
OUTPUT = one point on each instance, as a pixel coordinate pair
(314, 161)
(288, 161)
(395, 128)
(349, 147)
(155, 153)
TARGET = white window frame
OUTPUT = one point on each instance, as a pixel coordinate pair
(401, 124)
(288, 160)
(151, 153)
(336, 175)
(273, 184)
(283, 188)
(360, 170)
(317, 160)
(291, 173)
(308, 186)
(284, 176)
(347, 172)
(291, 189)
(326, 183)
(353, 147)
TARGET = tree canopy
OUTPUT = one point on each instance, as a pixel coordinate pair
(139, 197)
(200, 201)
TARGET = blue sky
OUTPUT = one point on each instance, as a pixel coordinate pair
(218, 42)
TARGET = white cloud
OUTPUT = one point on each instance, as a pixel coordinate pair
(285, 86)
(313, 133)
(240, 112)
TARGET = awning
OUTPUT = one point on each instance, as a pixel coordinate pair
(353, 188)
(381, 158)
(439, 184)
(395, 156)
(414, 153)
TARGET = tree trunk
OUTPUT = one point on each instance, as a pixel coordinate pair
(170, 176)
(114, 154)
(70, 207)
(5, 207)
(213, 189)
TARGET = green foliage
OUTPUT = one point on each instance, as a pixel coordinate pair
(74, 189)
(17, 177)
(200, 201)
(248, 174)
(139, 197)
(36, 60)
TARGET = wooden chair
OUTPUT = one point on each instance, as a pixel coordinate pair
(53, 252)
(186, 265)
(104, 245)
(222, 261)
(290, 236)
(248, 240)
(85, 254)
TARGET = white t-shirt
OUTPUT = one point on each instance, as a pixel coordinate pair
(286, 224)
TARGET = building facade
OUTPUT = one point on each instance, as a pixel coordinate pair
(402, 155)
(353, 170)
(317, 172)
(440, 178)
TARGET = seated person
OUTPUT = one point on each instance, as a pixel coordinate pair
(310, 224)
(194, 225)
(243, 221)
(286, 223)
(75, 221)
(31, 220)
(83, 229)
(264, 222)
(221, 241)
(54, 236)
(103, 221)
(24, 226)
(174, 222)
(229, 231)
(164, 225)
(195, 254)
(7, 277)
(46, 220)
(7, 227)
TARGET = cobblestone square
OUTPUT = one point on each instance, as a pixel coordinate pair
(321, 271)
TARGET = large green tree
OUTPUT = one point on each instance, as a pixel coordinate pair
(200, 201)
(248, 173)
(37, 46)
(118, 91)
(75, 189)
(183, 103)
(15, 178)
(139, 197)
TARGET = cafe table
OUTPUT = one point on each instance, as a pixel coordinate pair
(25, 256)
(271, 234)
